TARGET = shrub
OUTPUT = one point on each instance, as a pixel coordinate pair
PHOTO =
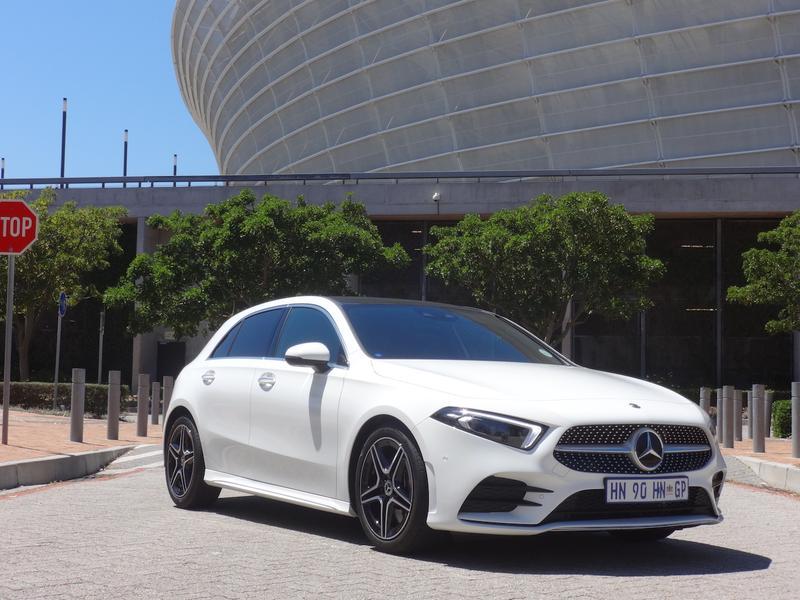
(782, 418)
(39, 395)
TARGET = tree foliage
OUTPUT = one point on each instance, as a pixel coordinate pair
(244, 251)
(529, 263)
(73, 244)
(772, 275)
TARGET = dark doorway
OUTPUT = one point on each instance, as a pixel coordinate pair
(171, 359)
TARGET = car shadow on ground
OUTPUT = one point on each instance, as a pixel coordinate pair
(547, 554)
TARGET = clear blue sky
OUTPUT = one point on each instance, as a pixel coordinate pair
(112, 60)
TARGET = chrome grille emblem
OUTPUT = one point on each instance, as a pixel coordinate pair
(647, 452)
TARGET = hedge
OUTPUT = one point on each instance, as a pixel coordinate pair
(782, 418)
(39, 395)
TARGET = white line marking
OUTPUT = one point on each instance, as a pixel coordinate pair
(125, 459)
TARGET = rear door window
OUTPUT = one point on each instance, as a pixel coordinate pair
(255, 335)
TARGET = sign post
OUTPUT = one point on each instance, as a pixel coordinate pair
(62, 310)
(19, 228)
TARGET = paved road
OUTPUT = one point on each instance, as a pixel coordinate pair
(119, 536)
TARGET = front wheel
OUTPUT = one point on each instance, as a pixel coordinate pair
(184, 467)
(391, 492)
(643, 535)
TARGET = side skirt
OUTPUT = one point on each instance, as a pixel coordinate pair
(274, 492)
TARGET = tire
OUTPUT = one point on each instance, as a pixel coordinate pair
(391, 492)
(643, 535)
(184, 467)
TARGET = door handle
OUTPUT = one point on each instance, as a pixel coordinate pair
(267, 381)
(208, 377)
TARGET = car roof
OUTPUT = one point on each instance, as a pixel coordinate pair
(342, 300)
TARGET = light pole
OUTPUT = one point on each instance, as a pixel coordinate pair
(2, 172)
(174, 169)
(125, 156)
(63, 136)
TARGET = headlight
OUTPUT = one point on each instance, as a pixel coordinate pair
(498, 428)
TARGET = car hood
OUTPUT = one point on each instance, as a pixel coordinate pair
(538, 391)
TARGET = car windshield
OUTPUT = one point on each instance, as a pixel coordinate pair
(411, 331)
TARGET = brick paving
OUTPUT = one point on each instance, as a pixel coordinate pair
(35, 435)
(121, 537)
(777, 450)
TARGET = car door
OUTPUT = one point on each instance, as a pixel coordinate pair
(227, 377)
(293, 430)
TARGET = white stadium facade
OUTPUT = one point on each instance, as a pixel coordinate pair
(310, 86)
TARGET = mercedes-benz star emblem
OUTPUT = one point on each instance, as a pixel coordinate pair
(648, 449)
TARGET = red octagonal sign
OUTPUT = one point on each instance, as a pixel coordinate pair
(19, 226)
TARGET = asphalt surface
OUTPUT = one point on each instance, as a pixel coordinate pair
(118, 535)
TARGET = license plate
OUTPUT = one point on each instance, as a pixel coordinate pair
(636, 490)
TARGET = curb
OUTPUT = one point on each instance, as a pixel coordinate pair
(39, 471)
(779, 476)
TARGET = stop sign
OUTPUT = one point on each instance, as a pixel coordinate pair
(19, 226)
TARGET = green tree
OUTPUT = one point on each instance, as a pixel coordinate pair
(74, 243)
(772, 275)
(244, 251)
(534, 262)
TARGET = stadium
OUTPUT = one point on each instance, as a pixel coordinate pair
(423, 108)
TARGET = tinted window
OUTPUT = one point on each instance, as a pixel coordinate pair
(444, 333)
(310, 325)
(224, 347)
(256, 333)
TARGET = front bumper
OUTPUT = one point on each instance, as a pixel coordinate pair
(458, 461)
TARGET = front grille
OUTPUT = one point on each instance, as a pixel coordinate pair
(620, 463)
(590, 505)
(619, 434)
(498, 494)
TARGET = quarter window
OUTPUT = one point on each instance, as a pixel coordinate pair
(310, 325)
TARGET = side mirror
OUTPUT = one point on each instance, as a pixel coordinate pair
(312, 354)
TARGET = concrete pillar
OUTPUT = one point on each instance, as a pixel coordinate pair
(720, 408)
(142, 398)
(169, 382)
(749, 415)
(768, 398)
(705, 399)
(796, 354)
(727, 416)
(796, 419)
(114, 378)
(737, 415)
(144, 344)
(76, 405)
(155, 403)
(758, 418)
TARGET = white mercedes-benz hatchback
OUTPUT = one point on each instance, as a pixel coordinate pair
(415, 417)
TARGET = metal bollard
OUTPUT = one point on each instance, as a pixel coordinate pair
(758, 418)
(114, 377)
(768, 398)
(749, 415)
(737, 415)
(720, 408)
(143, 385)
(76, 405)
(727, 416)
(705, 399)
(796, 419)
(155, 402)
(169, 382)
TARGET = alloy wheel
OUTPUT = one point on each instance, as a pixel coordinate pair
(386, 488)
(180, 460)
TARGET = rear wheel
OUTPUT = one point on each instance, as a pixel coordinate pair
(643, 535)
(391, 492)
(185, 468)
